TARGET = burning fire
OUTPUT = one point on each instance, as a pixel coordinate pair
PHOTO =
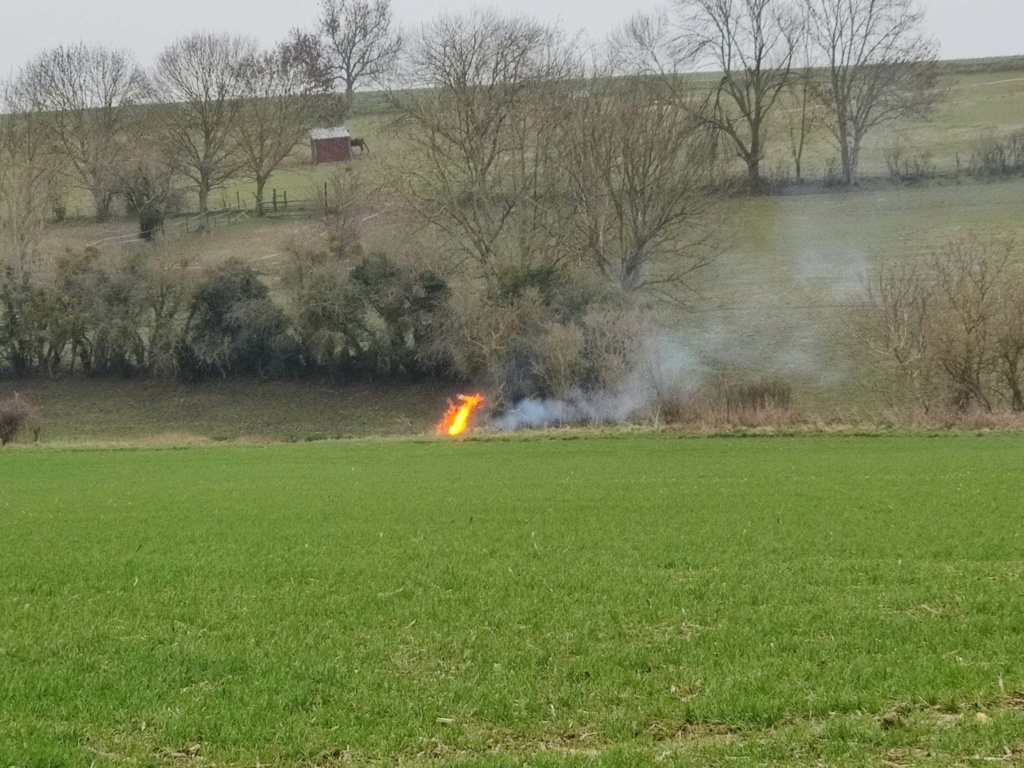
(456, 419)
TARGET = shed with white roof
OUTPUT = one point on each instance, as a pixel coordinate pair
(330, 145)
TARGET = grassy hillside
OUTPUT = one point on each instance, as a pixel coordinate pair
(836, 601)
(778, 300)
(100, 410)
(984, 97)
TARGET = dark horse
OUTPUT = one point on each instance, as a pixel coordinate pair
(361, 143)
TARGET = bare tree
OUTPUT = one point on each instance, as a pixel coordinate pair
(801, 119)
(198, 84)
(752, 43)
(641, 171)
(355, 44)
(1009, 341)
(483, 148)
(87, 93)
(879, 67)
(951, 327)
(147, 181)
(967, 274)
(272, 120)
(645, 44)
(28, 176)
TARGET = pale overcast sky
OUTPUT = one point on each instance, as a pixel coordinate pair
(965, 29)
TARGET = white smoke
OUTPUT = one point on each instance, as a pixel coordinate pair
(578, 408)
(780, 315)
(666, 364)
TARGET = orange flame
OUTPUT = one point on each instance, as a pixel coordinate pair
(456, 419)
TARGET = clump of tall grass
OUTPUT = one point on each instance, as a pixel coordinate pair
(758, 404)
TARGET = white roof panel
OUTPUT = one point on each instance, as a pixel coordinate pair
(339, 132)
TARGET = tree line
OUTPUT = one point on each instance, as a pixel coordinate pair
(214, 106)
(569, 186)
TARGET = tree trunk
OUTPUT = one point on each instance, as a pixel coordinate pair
(261, 182)
(753, 159)
(754, 172)
(1017, 396)
(350, 95)
(101, 201)
(855, 161)
(1012, 376)
(844, 150)
(204, 206)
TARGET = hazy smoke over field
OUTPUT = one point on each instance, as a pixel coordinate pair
(780, 317)
(664, 364)
(579, 408)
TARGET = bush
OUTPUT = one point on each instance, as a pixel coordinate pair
(357, 314)
(995, 156)
(909, 167)
(234, 327)
(94, 314)
(949, 331)
(719, 406)
(402, 314)
(17, 415)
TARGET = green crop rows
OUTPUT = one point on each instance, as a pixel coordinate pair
(606, 601)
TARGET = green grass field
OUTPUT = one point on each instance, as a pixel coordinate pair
(613, 601)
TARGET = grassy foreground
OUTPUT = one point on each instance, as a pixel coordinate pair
(811, 601)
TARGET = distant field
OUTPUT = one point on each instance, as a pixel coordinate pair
(617, 601)
(985, 97)
(978, 104)
(794, 270)
(94, 410)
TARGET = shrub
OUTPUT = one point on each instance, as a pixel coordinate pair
(998, 156)
(17, 415)
(233, 326)
(949, 330)
(717, 406)
(402, 314)
(908, 167)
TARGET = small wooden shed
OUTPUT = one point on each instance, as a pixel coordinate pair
(331, 145)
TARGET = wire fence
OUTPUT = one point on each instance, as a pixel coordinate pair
(277, 204)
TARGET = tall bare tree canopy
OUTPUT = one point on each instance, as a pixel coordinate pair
(531, 159)
(752, 43)
(641, 174)
(28, 173)
(88, 92)
(478, 130)
(879, 67)
(355, 43)
(272, 121)
(198, 82)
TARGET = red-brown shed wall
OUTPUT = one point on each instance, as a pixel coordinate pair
(331, 151)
